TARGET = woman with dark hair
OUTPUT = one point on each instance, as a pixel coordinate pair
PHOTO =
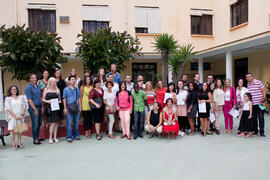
(42, 83)
(160, 93)
(218, 102)
(182, 107)
(14, 109)
(171, 93)
(85, 89)
(204, 99)
(96, 99)
(240, 91)
(170, 124)
(192, 105)
(124, 105)
(61, 84)
(154, 121)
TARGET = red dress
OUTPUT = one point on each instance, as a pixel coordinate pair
(174, 127)
(161, 96)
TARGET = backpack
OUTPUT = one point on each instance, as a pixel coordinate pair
(117, 96)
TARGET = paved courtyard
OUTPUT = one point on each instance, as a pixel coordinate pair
(225, 157)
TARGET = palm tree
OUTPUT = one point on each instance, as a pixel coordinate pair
(179, 58)
(165, 44)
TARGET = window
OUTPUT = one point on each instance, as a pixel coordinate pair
(141, 30)
(201, 24)
(92, 26)
(147, 70)
(147, 20)
(194, 66)
(239, 13)
(42, 20)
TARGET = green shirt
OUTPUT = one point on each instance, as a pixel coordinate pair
(139, 100)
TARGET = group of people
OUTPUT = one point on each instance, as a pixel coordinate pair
(176, 109)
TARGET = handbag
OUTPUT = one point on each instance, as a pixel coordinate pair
(73, 107)
(47, 110)
(111, 111)
(98, 101)
(20, 128)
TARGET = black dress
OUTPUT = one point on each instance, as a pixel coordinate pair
(53, 116)
(154, 118)
(203, 95)
(192, 100)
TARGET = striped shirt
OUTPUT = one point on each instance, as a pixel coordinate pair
(255, 90)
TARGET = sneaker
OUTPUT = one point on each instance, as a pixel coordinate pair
(181, 133)
(262, 135)
(69, 140)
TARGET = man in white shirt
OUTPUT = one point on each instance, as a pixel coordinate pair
(129, 84)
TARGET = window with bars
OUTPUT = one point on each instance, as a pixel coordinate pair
(42, 20)
(194, 66)
(92, 26)
(239, 13)
(201, 25)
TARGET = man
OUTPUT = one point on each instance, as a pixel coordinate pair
(139, 100)
(258, 93)
(197, 80)
(115, 88)
(71, 96)
(210, 79)
(184, 79)
(73, 72)
(140, 81)
(129, 84)
(33, 95)
(116, 75)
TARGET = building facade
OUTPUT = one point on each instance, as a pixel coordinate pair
(231, 37)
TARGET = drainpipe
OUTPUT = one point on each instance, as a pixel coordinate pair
(15, 12)
(126, 14)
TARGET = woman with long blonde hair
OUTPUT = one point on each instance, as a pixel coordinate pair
(52, 117)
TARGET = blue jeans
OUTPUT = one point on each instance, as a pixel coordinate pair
(36, 122)
(138, 123)
(72, 118)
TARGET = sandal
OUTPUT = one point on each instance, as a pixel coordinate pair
(123, 136)
(14, 147)
(20, 146)
(203, 133)
(98, 137)
(111, 136)
(56, 140)
(128, 137)
(248, 134)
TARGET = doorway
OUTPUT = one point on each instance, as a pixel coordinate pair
(241, 68)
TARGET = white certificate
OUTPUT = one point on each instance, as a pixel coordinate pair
(202, 107)
(167, 96)
(212, 117)
(234, 113)
(180, 100)
(54, 104)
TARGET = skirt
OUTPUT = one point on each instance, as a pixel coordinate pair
(53, 117)
(98, 115)
(182, 110)
(245, 124)
(193, 112)
(173, 128)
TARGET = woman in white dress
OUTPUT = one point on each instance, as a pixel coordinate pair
(14, 109)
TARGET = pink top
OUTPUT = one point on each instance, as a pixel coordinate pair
(125, 101)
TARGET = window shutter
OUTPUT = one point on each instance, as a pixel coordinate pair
(96, 13)
(140, 19)
(153, 20)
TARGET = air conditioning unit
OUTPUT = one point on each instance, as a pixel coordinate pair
(64, 19)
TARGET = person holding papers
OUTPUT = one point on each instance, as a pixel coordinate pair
(182, 108)
(230, 102)
(204, 99)
(52, 98)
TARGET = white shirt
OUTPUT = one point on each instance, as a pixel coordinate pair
(77, 81)
(181, 96)
(129, 86)
(115, 88)
(242, 93)
(246, 106)
(218, 97)
(110, 98)
(227, 95)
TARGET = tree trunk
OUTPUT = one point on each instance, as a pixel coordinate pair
(181, 70)
(165, 68)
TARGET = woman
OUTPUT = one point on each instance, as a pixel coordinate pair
(102, 77)
(172, 92)
(154, 121)
(240, 92)
(85, 89)
(61, 84)
(73, 72)
(150, 95)
(182, 107)
(14, 109)
(124, 105)
(109, 99)
(42, 83)
(204, 99)
(96, 99)
(52, 117)
(218, 99)
(192, 105)
(230, 102)
(170, 125)
(160, 93)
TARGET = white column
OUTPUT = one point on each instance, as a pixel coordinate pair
(1, 92)
(229, 58)
(200, 68)
(169, 74)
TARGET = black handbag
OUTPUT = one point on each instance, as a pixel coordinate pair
(73, 107)
(98, 101)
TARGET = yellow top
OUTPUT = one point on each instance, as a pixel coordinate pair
(85, 98)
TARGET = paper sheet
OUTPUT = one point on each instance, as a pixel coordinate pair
(202, 107)
(234, 113)
(180, 101)
(212, 117)
(167, 96)
(54, 104)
